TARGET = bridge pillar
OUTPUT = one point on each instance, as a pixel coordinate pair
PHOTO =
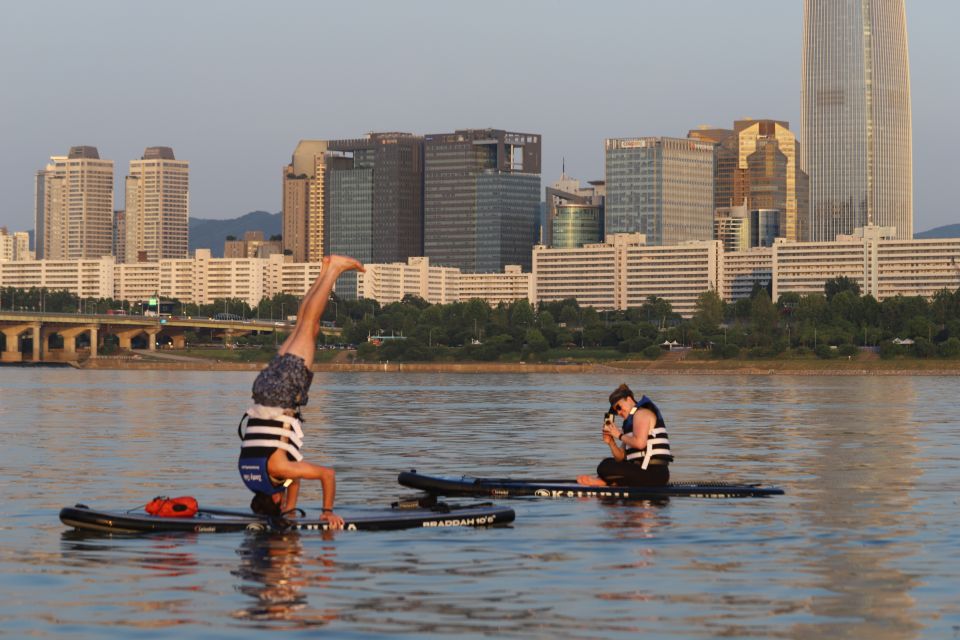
(35, 329)
(152, 338)
(12, 351)
(126, 336)
(179, 341)
(70, 341)
(93, 342)
(45, 334)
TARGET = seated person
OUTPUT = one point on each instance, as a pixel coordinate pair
(641, 448)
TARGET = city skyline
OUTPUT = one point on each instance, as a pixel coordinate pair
(232, 121)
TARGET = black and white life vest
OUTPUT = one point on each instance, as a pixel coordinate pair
(658, 442)
(265, 430)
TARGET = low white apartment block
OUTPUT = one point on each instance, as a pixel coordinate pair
(84, 278)
(742, 270)
(387, 283)
(493, 288)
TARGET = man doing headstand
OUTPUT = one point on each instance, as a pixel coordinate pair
(270, 463)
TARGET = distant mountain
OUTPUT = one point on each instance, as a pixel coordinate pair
(948, 231)
(210, 234)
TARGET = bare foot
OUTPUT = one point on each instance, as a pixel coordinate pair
(339, 264)
(591, 481)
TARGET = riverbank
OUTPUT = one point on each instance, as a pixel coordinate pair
(857, 367)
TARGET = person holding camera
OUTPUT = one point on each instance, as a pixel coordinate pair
(640, 447)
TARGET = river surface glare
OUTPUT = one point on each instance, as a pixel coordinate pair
(863, 545)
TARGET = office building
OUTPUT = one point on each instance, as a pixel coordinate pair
(757, 165)
(660, 187)
(375, 200)
(74, 206)
(574, 213)
(764, 226)
(856, 129)
(157, 207)
(481, 198)
(731, 226)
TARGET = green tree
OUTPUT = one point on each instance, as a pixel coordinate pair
(708, 312)
(833, 286)
(763, 315)
(536, 342)
(521, 314)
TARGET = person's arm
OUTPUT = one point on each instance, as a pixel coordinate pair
(279, 466)
(643, 421)
(610, 431)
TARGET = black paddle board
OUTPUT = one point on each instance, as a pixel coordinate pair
(509, 487)
(84, 518)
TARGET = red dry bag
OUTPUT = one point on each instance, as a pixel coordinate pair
(164, 507)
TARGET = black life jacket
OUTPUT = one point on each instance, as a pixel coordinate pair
(658, 442)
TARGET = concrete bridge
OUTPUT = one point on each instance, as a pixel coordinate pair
(39, 327)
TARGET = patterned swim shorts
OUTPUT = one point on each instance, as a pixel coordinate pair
(283, 383)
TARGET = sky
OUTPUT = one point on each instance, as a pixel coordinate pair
(232, 86)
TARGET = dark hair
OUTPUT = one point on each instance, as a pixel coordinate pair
(263, 505)
(621, 392)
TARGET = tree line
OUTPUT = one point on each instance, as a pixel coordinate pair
(838, 322)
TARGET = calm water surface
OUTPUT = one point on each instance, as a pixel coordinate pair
(863, 545)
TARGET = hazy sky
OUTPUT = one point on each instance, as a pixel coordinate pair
(232, 86)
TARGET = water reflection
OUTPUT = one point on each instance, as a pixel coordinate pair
(865, 464)
(164, 556)
(277, 577)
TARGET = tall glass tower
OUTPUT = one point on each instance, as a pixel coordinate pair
(856, 128)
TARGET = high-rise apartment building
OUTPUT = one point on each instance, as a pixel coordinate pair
(157, 207)
(120, 235)
(856, 130)
(758, 166)
(660, 187)
(6, 245)
(481, 198)
(305, 201)
(21, 246)
(74, 206)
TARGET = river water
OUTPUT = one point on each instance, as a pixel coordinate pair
(863, 545)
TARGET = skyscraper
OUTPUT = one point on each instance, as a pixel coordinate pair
(74, 206)
(856, 128)
(376, 197)
(481, 198)
(375, 200)
(157, 214)
(661, 187)
(757, 166)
